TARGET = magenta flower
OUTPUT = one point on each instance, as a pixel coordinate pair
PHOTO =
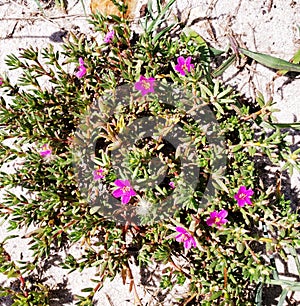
(109, 36)
(81, 69)
(98, 174)
(145, 85)
(125, 191)
(243, 196)
(172, 185)
(185, 237)
(217, 218)
(183, 65)
(1, 81)
(46, 151)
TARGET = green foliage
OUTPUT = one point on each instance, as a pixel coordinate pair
(46, 105)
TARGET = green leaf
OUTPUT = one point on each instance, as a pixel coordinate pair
(258, 295)
(94, 209)
(240, 247)
(161, 33)
(220, 185)
(283, 297)
(226, 64)
(293, 125)
(87, 290)
(160, 18)
(296, 258)
(216, 295)
(271, 61)
(191, 34)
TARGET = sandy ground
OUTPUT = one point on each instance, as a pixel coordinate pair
(268, 26)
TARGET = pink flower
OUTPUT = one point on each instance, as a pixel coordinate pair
(145, 85)
(185, 237)
(1, 81)
(46, 150)
(109, 36)
(98, 174)
(172, 185)
(243, 196)
(217, 218)
(183, 65)
(81, 69)
(125, 191)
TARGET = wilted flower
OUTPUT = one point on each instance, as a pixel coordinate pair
(183, 65)
(243, 196)
(125, 191)
(145, 85)
(185, 237)
(172, 185)
(109, 36)
(98, 174)
(81, 69)
(46, 150)
(217, 218)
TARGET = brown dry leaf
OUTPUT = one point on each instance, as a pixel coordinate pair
(124, 275)
(106, 7)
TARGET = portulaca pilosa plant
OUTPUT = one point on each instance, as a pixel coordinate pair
(141, 153)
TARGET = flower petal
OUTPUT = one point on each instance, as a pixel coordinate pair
(118, 193)
(131, 193)
(81, 72)
(187, 244)
(193, 242)
(188, 61)
(81, 62)
(119, 183)
(214, 214)
(241, 203)
(138, 86)
(126, 183)
(181, 60)
(125, 199)
(210, 221)
(248, 201)
(223, 213)
(249, 192)
(242, 190)
(223, 221)
(181, 230)
(179, 238)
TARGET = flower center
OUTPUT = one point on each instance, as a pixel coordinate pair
(125, 188)
(186, 237)
(146, 84)
(242, 196)
(217, 220)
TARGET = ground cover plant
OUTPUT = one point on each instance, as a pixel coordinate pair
(133, 147)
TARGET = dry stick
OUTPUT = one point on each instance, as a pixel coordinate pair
(132, 283)
(43, 17)
(252, 253)
(189, 299)
(109, 299)
(270, 4)
(63, 229)
(208, 12)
